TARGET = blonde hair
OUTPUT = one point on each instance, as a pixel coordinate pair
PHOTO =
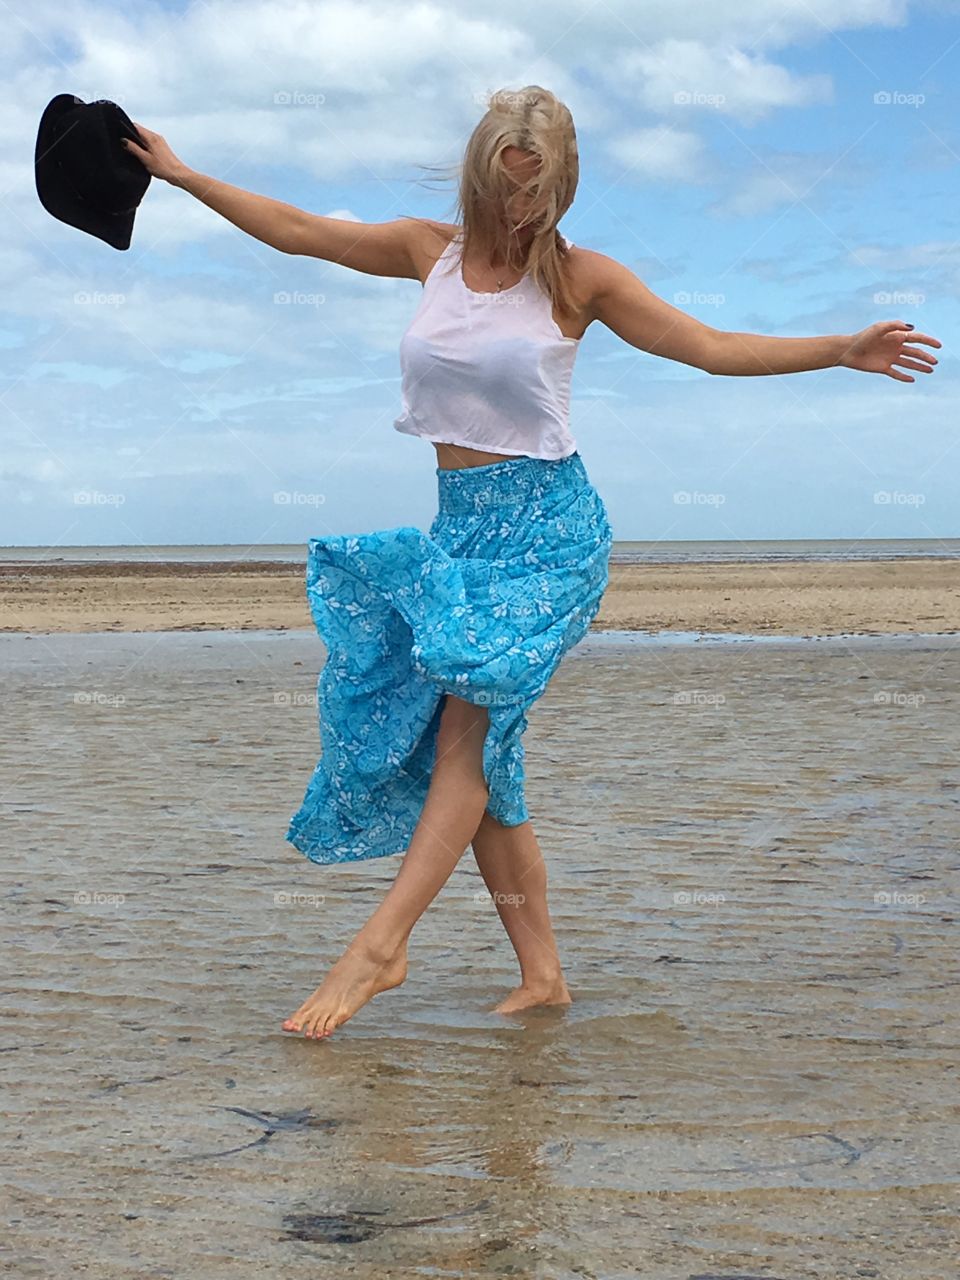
(533, 120)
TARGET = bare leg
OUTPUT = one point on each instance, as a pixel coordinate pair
(513, 870)
(377, 957)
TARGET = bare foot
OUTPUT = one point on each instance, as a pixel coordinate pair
(530, 994)
(356, 978)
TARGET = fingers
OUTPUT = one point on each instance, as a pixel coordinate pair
(147, 135)
(919, 355)
(910, 357)
(898, 326)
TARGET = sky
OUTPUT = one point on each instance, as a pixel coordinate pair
(780, 168)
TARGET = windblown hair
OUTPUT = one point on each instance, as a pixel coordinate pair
(534, 120)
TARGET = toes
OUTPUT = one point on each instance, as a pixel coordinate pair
(295, 1021)
(313, 1023)
(305, 1024)
(309, 1021)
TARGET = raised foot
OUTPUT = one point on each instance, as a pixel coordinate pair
(530, 994)
(356, 978)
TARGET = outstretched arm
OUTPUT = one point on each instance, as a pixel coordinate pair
(375, 248)
(625, 305)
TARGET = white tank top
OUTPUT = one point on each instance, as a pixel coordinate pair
(488, 371)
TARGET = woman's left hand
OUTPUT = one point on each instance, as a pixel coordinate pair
(156, 155)
(879, 347)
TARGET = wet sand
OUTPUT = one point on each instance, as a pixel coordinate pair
(753, 860)
(791, 598)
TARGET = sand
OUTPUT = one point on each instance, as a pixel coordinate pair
(752, 850)
(789, 598)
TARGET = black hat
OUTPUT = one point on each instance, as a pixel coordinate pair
(84, 176)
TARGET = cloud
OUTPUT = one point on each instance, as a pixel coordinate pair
(69, 371)
(768, 180)
(333, 106)
(692, 76)
(663, 154)
(939, 254)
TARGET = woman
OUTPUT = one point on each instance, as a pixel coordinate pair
(438, 643)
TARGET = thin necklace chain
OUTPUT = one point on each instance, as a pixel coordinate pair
(499, 284)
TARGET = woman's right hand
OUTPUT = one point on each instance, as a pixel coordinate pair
(156, 157)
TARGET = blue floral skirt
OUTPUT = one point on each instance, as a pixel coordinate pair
(483, 607)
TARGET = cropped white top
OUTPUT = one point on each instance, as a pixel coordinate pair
(488, 371)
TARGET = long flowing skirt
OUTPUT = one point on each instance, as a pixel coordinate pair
(483, 607)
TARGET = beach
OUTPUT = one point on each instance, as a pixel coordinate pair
(873, 597)
(752, 855)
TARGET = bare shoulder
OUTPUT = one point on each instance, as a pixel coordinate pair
(593, 277)
(428, 239)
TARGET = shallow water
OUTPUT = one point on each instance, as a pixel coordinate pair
(753, 854)
(656, 551)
